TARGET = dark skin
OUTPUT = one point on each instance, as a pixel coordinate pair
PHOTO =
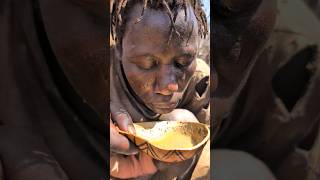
(239, 35)
(155, 70)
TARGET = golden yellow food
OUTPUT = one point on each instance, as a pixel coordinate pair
(169, 141)
(173, 140)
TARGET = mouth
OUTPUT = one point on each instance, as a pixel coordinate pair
(166, 105)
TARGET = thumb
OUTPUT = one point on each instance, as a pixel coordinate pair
(119, 143)
(122, 118)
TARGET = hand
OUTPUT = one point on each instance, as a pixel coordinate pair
(123, 163)
(119, 143)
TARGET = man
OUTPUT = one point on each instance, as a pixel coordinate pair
(267, 66)
(155, 75)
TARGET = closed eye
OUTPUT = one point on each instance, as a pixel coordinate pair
(184, 60)
(145, 62)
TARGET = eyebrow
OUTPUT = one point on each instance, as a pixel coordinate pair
(185, 52)
(135, 56)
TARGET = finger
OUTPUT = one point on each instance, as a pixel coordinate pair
(122, 118)
(120, 144)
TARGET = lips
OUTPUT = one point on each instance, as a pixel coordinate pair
(163, 104)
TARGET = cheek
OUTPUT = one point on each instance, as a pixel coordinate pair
(185, 75)
(140, 81)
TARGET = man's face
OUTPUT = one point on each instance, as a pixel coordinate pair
(238, 36)
(154, 67)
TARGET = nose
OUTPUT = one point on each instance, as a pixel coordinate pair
(166, 83)
(173, 87)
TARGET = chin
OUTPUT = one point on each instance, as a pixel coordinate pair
(162, 107)
(162, 111)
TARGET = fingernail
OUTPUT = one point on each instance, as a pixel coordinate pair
(131, 129)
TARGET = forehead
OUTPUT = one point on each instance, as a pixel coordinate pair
(155, 26)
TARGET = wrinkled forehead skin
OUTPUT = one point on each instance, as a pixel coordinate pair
(237, 41)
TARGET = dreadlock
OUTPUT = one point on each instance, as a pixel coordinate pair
(120, 10)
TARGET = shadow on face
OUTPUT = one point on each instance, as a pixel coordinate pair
(159, 62)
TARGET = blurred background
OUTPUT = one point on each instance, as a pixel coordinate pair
(204, 51)
(315, 6)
